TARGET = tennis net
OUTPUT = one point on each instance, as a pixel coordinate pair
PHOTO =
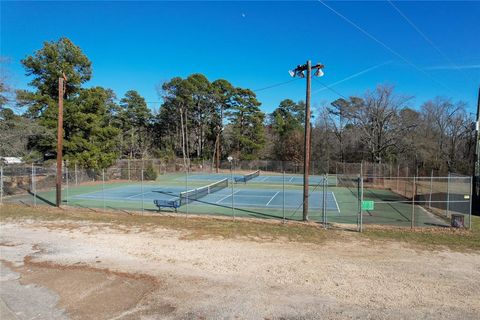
(195, 194)
(248, 177)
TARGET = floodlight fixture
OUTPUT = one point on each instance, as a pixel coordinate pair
(319, 73)
(292, 73)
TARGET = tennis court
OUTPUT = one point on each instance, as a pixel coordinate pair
(263, 179)
(242, 197)
(255, 194)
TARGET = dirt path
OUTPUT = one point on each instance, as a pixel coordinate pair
(98, 271)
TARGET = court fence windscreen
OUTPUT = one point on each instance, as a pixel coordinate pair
(350, 194)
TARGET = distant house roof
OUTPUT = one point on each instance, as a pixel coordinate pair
(11, 160)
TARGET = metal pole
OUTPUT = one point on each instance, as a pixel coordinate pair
(470, 209)
(306, 155)
(186, 190)
(283, 204)
(76, 174)
(143, 208)
(361, 201)
(431, 190)
(103, 189)
(31, 182)
(325, 183)
(66, 180)
(413, 203)
(233, 197)
(323, 201)
(1, 185)
(128, 169)
(361, 197)
(448, 196)
(59, 143)
(406, 180)
(398, 177)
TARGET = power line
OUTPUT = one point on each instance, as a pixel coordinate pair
(275, 85)
(427, 39)
(384, 45)
(353, 76)
(326, 87)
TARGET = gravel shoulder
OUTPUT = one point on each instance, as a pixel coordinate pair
(85, 270)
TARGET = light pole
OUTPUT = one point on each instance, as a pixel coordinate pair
(299, 72)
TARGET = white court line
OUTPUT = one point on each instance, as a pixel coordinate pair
(336, 203)
(228, 195)
(138, 194)
(290, 179)
(272, 198)
(265, 178)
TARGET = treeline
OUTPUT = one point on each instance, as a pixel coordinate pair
(209, 120)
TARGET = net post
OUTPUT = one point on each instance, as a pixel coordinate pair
(412, 218)
(283, 203)
(103, 189)
(447, 211)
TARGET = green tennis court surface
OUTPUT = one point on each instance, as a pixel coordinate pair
(263, 196)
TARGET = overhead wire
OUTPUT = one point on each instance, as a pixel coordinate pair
(427, 39)
(372, 37)
(353, 76)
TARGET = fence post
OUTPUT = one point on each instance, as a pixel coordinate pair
(470, 209)
(233, 192)
(76, 174)
(142, 190)
(325, 183)
(34, 191)
(398, 177)
(66, 180)
(186, 193)
(448, 196)
(361, 201)
(1, 185)
(431, 190)
(103, 189)
(128, 168)
(283, 204)
(413, 203)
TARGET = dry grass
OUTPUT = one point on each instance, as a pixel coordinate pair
(201, 227)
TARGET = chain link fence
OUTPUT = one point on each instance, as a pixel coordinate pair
(350, 194)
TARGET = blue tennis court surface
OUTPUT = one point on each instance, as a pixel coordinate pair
(266, 179)
(242, 198)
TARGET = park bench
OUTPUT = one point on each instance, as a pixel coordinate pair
(175, 204)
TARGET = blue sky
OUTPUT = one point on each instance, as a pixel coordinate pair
(138, 45)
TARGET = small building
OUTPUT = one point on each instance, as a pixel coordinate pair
(11, 160)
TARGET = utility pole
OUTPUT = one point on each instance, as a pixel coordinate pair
(60, 140)
(219, 140)
(299, 72)
(476, 160)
